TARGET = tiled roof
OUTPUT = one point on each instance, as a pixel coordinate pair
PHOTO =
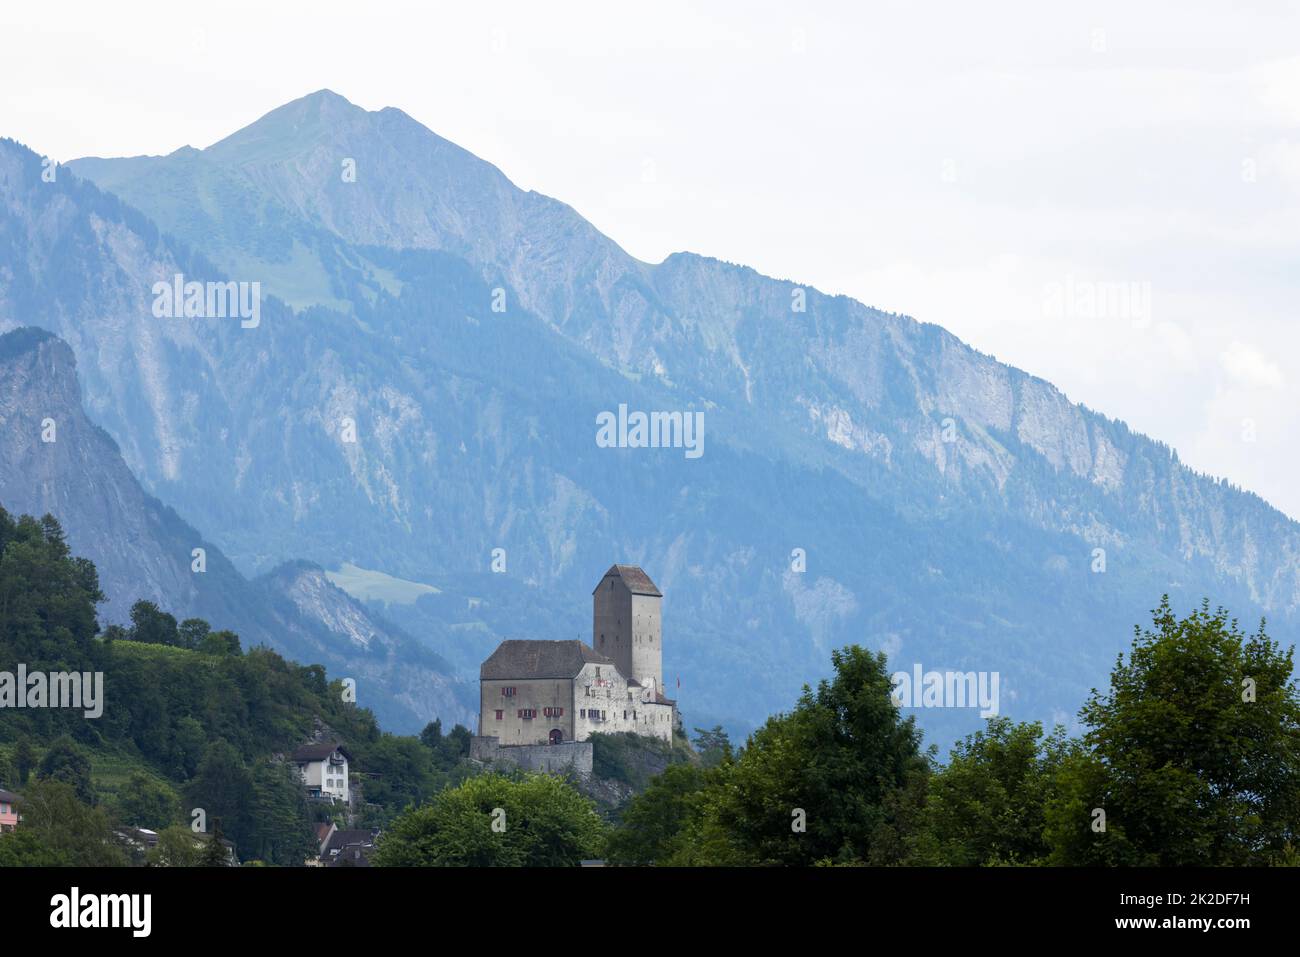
(352, 856)
(319, 752)
(342, 839)
(9, 797)
(518, 658)
(637, 581)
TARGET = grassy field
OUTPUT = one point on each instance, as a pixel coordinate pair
(364, 584)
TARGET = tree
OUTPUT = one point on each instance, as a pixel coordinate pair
(654, 823)
(714, 746)
(455, 745)
(400, 772)
(187, 747)
(494, 820)
(65, 761)
(279, 829)
(220, 644)
(66, 827)
(1191, 757)
(148, 802)
(192, 632)
(986, 807)
(431, 736)
(215, 853)
(822, 783)
(24, 760)
(25, 848)
(47, 597)
(177, 847)
(151, 625)
(223, 788)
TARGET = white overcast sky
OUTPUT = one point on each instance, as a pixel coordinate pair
(957, 162)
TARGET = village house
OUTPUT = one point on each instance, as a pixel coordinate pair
(8, 811)
(555, 692)
(324, 770)
(349, 848)
(324, 830)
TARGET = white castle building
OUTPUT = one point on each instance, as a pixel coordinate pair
(555, 692)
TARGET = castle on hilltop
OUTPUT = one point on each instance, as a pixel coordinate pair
(557, 692)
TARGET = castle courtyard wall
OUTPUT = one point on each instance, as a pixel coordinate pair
(573, 756)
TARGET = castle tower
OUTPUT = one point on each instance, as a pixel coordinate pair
(626, 624)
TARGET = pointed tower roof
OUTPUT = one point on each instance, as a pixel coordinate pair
(637, 581)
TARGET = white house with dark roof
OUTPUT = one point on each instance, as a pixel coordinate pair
(555, 692)
(324, 770)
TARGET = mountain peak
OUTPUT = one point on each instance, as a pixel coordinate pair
(316, 117)
(44, 355)
(25, 339)
(325, 95)
(321, 100)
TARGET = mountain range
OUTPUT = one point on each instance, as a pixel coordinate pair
(414, 418)
(54, 460)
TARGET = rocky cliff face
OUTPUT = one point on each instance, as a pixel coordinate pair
(712, 333)
(394, 674)
(54, 460)
(948, 508)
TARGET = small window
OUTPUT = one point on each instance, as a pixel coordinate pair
(500, 714)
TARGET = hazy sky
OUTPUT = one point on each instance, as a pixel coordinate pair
(1107, 197)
